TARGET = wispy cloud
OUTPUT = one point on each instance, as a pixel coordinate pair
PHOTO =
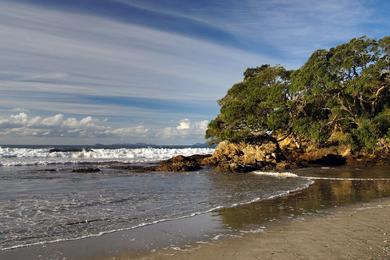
(78, 64)
(88, 54)
(289, 28)
(86, 61)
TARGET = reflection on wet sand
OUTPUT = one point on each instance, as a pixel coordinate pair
(201, 229)
(322, 194)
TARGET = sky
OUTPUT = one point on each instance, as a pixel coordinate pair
(151, 71)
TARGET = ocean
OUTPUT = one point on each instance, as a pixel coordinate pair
(50, 211)
(42, 200)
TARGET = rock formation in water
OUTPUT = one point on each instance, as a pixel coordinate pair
(333, 110)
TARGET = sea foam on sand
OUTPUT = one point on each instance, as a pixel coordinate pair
(277, 174)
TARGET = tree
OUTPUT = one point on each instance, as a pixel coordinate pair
(254, 108)
(344, 89)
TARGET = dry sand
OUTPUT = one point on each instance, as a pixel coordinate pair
(359, 231)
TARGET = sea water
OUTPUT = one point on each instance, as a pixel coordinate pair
(43, 201)
(11, 156)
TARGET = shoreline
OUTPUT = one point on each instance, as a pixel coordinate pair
(360, 230)
(354, 187)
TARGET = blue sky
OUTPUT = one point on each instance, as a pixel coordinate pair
(126, 71)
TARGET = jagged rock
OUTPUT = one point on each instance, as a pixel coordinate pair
(330, 159)
(244, 157)
(284, 166)
(182, 163)
(312, 153)
(86, 170)
(63, 150)
(131, 167)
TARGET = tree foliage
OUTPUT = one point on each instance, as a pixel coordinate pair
(344, 89)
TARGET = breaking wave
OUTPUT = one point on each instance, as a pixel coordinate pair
(44, 156)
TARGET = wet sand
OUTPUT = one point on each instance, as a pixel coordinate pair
(358, 231)
(344, 215)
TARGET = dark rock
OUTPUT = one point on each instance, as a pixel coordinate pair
(54, 150)
(283, 166)
(182, 163)
(86, 170)
(330, 159)
(131, 167)
(49, 170)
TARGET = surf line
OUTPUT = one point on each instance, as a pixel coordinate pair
(293, 175)
(345, 179)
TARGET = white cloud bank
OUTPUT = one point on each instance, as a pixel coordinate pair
(24, 125)
(58, 125)
(185, 129)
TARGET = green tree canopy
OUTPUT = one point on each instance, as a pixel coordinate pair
(344, 89)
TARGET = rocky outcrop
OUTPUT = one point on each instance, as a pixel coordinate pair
(243, 157)
(269, 155)
(312, 153)
(86, 170)
(66, 150)
(182, 163)
(330, 159)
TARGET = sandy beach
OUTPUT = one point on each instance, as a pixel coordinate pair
(342, 215)
(359, 231)
(214, 129)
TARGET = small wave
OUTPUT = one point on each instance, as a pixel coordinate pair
(254, 231)
(34, 156)
(277, 174)
(345, 179)
(292, 175)
(273, 196)
(374, 207)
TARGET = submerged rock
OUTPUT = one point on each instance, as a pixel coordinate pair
(330, 159)
(66, 150)
(86, 170)
(182, 163)
(132, 167)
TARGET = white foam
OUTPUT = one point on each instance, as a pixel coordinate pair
(346, 179)
(374, 207)
(254, 231)
(276, 195)
(292, 175)
(277, 174)
(218, 237)
(28, 156)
